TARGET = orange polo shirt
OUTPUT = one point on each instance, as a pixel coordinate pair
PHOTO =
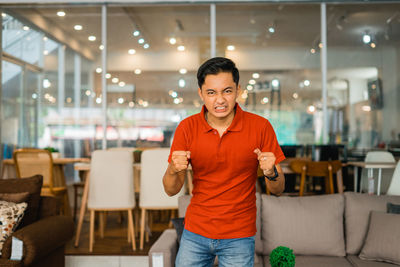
(224, 172)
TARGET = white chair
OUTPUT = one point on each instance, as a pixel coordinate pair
(154, 163)
(394, 187)
(381, 157)
(111, 188)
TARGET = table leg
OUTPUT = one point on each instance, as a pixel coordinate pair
(83, 209)
(356, 179)
(339, 181)
(379, 182)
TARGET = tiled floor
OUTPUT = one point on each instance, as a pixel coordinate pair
(106, 261)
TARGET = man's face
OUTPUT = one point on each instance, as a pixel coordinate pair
(219, 93)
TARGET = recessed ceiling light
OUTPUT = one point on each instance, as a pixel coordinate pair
(141, 41)
(145, 46)
(99, 70)
(312, 50)
(78, 27)
(271, 29)
(295, 95)
(136, 33)
(138, 71)
(45, 38)
(45, 52)
(131, 104)
(320, 45)
(3, 15)
(115, 80)
(108, 75)
(256, 75)
(101, 47)
(69, 99)
(183, 71)
(230, 47)
(176, 101)
(131, 51)
(181, 48)
(98, 100)
(181, 83)
(311, 109)
(25, 28)
(172, 40)
(252, 82)
(373, 45)
(61, 13)
(145, 104)
(92, 38)
(249, 87)
(88, 93)
(265, 100)
(120, 100)
(34, 96)
(275, 83)
(366, 38)
(121, 84)
(306, 83)
(174, 94)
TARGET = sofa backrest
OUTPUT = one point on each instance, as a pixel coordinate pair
(184, 201)
(311, 225)
(357, 212)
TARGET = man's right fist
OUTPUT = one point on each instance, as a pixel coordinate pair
(180, 160)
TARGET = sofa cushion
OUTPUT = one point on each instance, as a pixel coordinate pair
(33, 186)
(15, 197)
(10, 216)
(357, 209)
(357, 262)
(316, 261)
(184, 201)
(309, 225)
(383, 239)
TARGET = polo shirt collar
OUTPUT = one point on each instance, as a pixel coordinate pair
(235, 126)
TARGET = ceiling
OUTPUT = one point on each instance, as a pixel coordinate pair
(297, 26)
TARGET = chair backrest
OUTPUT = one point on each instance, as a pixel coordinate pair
(379, 156)
(154, 163)
(122, 148)
(111, 180)
(394, 188)
(32, 161)
(315, 168)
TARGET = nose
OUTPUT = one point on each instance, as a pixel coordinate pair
(220, 98)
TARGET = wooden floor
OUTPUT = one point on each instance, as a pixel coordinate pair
(115, 237)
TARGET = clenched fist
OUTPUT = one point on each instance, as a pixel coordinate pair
(267, 162)
(179, 161)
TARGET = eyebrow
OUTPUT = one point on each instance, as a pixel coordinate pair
(229, 87)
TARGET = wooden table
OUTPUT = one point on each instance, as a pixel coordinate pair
(370, 166)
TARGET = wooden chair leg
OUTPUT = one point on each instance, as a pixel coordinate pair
(136, 211)
(327, 186)
(91, 234)
(302, 184)
(331, 182)
(148, 223)
(131, 229)
(142, 222)
(101, 224)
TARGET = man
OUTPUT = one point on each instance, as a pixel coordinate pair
(224, 145)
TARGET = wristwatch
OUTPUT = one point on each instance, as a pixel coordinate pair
(273, 178)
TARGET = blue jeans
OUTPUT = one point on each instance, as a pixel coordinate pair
(198, 251)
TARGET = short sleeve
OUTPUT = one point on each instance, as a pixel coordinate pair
(270, 143)
(180, 140)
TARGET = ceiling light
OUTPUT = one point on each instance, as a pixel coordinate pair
(366, 38)
(271, 29)
(311, 109)
(78, 27)
(174, 94)
(295, 95)
(275, 83)
(230, 47)
(131, 104)
(252, 82)
(115, 80)
(249, 87)
(99, 70)
(25, 28)
(244, 95)
(45, 52)
(141, 41)
(88, 93)
(312, 50)
(69, 99)
(265, 100)
(366, 108)
(121, 84)
(108, 75)
(176, 101)
(181, 83)
(92, 38)
(46, 83)
(98, 100)
(320, 45)
(101, 47)
(131, 51)
(120, 100)
(138, 71)
(183, 71)
(45, 38)
(256, 75)
(3, 15)
(61, 13)
(46, 96)
(306, 83)
(373, 45)
(34, 96)
(172, 40)
(136, 33)
(145, 104)
(181, 48)
(145, 46)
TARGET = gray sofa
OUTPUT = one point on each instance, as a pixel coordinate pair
(349, 229)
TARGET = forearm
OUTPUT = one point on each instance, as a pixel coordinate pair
(173, 181)
(278, 186)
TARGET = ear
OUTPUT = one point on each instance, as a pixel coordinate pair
(238, 91)
(200, 93)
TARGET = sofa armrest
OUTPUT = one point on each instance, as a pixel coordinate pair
(41, 237)
(166, 247)
(49, 206)
(9, 263)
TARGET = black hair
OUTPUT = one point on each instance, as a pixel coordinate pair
(216, 65)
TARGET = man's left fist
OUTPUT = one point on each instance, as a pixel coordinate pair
(267, 162)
